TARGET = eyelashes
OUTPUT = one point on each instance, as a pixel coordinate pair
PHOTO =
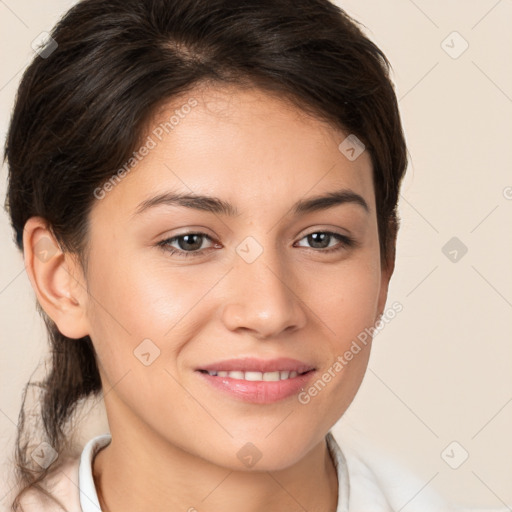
(344, 243)
(166, 244)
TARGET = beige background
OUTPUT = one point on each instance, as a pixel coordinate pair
(441, 371)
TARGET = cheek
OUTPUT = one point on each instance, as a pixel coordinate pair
(347, 310)
(138, 307)
(347, 306)
(345, 298)
(135, 298)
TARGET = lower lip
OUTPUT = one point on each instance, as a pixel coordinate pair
(259, 392)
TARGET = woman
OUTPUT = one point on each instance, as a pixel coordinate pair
(205, 196)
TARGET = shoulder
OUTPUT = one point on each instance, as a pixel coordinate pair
(381, 484)
(62, 485)
(376, 477)
(66, 483)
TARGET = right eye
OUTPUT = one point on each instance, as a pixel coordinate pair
(185, 241)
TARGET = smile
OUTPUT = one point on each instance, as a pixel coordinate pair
(256, 376)
(257, 381)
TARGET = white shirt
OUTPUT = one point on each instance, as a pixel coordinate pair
(376, 485)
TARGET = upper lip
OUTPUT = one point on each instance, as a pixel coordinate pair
(252, 364)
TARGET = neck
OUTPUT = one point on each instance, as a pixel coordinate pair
(131, 477)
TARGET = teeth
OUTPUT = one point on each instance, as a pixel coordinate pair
(256, 376)
(253, 376)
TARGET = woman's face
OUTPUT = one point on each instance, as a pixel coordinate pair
(246, 283)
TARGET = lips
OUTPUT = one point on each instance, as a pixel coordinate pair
(258, 381)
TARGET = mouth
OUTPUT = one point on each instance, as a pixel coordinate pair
(256, 380)
(257, 376)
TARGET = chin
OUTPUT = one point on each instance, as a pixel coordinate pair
(264, 453)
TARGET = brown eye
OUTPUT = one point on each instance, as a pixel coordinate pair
(321, 240)
(189, 244)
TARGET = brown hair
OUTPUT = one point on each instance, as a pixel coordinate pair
(82, 108)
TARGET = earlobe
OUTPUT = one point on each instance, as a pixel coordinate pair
(55, 277)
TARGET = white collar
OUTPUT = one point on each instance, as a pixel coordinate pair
(88, 497)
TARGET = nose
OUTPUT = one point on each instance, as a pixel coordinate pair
(263, 298)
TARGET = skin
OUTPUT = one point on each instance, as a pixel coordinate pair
(175, 438)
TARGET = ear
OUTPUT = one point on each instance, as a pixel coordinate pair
(56, 278)
(386, 273)
(387, 269)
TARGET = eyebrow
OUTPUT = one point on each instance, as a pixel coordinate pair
(219, 206)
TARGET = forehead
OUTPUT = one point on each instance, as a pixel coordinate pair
(252, 148)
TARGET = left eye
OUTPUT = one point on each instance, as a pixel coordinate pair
(189, 244)
(319, 238)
